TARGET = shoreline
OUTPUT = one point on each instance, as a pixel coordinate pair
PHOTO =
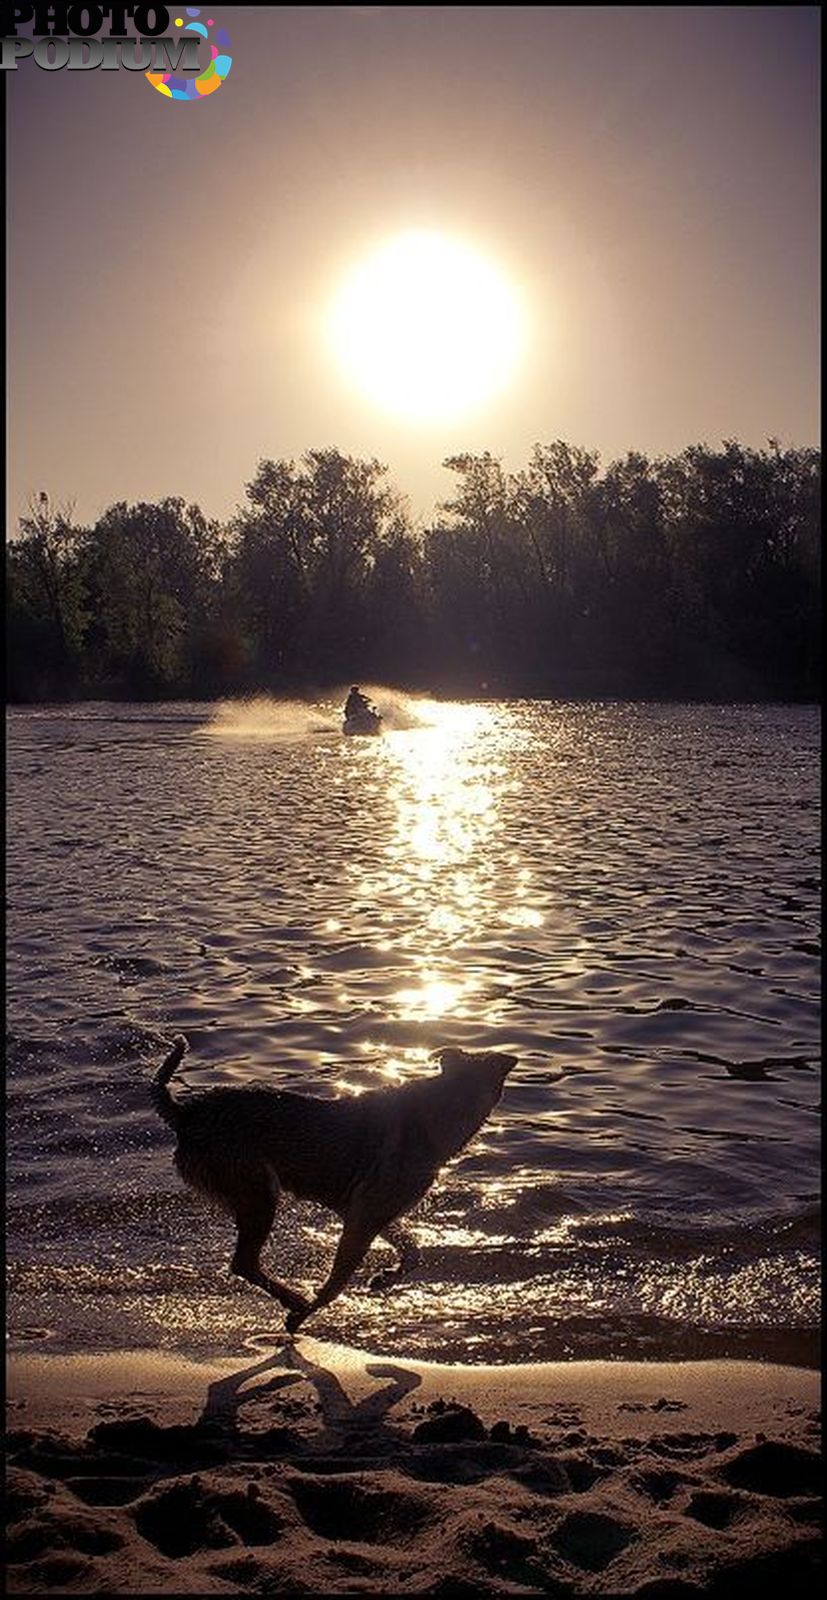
(61, 1383)
(317, 1468)
(310, 694)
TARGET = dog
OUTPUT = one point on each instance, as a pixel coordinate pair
(370, 1158)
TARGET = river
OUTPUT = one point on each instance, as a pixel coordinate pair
(626, 896)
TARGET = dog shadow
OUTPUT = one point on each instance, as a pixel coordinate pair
(342, 1420)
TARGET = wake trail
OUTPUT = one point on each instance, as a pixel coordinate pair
(265, 716)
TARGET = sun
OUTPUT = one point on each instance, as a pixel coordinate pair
(427, 329)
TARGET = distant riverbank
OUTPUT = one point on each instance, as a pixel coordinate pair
(580, 690)
(693, 577)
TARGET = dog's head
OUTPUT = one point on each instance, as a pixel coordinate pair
(476, 1066)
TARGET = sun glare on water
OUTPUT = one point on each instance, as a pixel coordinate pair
(427, 329)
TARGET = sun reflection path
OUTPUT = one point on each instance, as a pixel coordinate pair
(432, 998)
(440, 859)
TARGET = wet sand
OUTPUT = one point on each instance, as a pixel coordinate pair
(313, 1468)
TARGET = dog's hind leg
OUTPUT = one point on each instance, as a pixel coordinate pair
(254, 1213)
(404, 1244)
(406, 1249)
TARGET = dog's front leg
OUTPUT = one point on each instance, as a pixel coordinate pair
(358, 1234)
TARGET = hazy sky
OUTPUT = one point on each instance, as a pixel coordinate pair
(646, 176)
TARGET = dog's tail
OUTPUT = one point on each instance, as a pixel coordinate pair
(162, 1100)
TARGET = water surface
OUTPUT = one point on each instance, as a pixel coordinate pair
(625, 896)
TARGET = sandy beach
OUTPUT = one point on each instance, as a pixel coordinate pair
(317, 1469)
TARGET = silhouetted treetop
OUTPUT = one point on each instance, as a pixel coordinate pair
(692, 575)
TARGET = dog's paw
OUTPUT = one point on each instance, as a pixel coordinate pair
(383, 1280)
(298, 1312)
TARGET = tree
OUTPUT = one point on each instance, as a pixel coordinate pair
(152, 569)
(47, 609)
(305, 558)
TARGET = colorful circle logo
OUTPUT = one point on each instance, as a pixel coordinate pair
(207, 81)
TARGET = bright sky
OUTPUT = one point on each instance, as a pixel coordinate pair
(644, 181)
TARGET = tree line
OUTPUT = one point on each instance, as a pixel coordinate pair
(688, 576)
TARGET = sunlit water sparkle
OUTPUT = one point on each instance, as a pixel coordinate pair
(625, 896)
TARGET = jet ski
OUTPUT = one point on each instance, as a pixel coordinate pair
(361, 723)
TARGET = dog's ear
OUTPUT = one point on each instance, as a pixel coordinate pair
(449, 1057)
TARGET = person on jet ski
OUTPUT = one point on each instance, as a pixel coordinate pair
(357, 708)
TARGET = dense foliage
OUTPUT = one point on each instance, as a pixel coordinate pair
(692, 576)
